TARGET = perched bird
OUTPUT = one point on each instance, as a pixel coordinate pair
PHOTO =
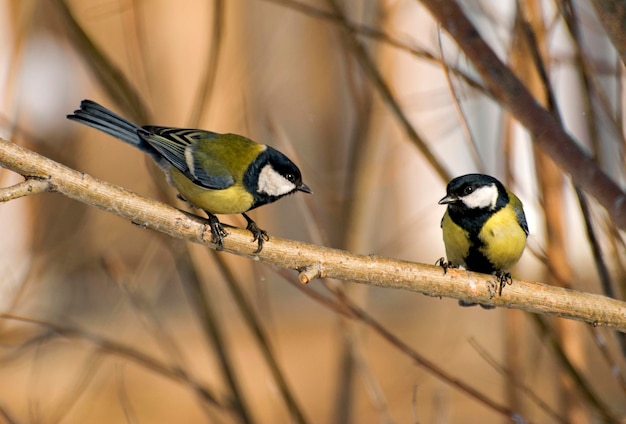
(484, 227)
(218, 173)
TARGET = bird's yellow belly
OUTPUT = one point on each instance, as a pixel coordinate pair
(232, 200)
(456, 241)
(503, 240)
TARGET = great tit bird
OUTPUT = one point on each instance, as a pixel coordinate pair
(484, 227)
(218, 173)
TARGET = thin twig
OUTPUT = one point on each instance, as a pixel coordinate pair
(510, 376)
(73, 395)
(612, 14)
(6, 415)
(111, 77)
(584, 387)
(108, 346)
(262, 339)
(341, 304)
(25, 188)
(598, 257)
(546, 131)
(207, 83)
(372, 72)
(434, 369)
(458, 107)
(204, 306)
(612, 363)
(380, 36)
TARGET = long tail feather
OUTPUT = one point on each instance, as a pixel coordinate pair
(103, 119)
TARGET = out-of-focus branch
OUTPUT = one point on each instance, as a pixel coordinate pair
(110, 76)
(112, 347)
(371, 71)
(545, 129)
(315, 261)
(612, 14)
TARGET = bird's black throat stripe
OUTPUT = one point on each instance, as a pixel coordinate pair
(251, 179)
(477, 261)
(472, 221)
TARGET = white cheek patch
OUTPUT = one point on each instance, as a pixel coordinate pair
(274, 184)
(482, 197)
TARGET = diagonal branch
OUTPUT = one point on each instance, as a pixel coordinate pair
(544, 128)
(612, 15)
(316, 261)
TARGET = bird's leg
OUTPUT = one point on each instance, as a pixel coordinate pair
(503, 278)
(217, 231)
(259, 235)
(444, 264)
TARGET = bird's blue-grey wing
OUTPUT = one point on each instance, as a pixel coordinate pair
(179, 147)
(519, 211)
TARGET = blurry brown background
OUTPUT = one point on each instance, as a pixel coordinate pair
(293, 75)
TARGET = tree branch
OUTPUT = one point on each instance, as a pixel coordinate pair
(612, 15)
(25, 188)
(315, 261)
(546, 131)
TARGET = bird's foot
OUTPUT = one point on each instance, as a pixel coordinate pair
(502, 279)
(217, 232)
(259, 235)
(495, 286)
(444, 264)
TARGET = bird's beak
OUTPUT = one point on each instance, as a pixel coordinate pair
(305, 188)
(448, 199)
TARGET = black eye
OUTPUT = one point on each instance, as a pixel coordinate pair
(467, 190)
(291, 178)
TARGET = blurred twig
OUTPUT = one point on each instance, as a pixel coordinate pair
(341, 304)
(359, 208)
(546, 131)
(516, 337)
(6, 415)
(613, 365)
(458, 106)
(200, 299)
(210, 72)
(612, 14)
(512, 377)
(378, 35)
(110, 77)
(367, 319)
(253, 322)
(371, 70)
(127, 407)
(88, 370)
(588, 76)
(372, 270)
(584, 387)
(601, 266)
(108, 346)
(566, 338)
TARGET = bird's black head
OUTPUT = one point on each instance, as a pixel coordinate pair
(271, 176)
(475, 192)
